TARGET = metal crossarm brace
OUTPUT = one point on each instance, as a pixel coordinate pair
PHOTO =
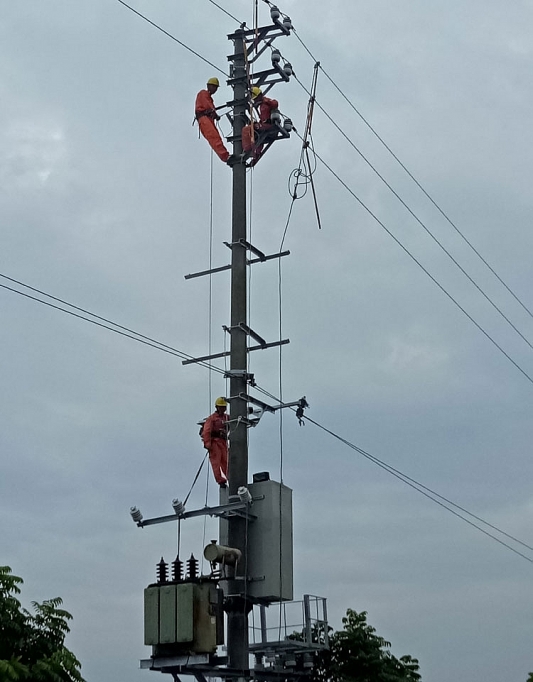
(269, 408)
(253, 249)
(248, 331)
(249, 247)
(249, 399)
(200, 677)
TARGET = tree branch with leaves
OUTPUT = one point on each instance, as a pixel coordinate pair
(357, 654)
(32, 645)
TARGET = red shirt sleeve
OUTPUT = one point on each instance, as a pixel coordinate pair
(206, 432)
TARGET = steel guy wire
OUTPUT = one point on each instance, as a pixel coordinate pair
(419, 487)
(414, 179)
(433, 279)
(159, 28)
(418, 220)
(136, 336)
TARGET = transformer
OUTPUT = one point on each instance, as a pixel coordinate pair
(183, 618)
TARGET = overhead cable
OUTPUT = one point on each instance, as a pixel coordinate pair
(418, 220)
(159, 28)
(442, 501)
(414, 179)
(129, 333)
(433, 279)
(427, 492)
(226, 12)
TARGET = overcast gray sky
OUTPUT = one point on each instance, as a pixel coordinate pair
(105, 202)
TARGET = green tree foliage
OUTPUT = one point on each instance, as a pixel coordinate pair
(530, 677)
(32, 645)
(357, 654)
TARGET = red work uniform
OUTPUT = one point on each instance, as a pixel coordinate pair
(205, 113)
(266, 106)
(215, 438)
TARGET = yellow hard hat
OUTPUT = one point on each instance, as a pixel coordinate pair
(214, 81)
(256, 92)
(221, 402)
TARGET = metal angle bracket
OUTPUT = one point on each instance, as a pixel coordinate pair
(249, 247)
(241, 374)
(248, 331)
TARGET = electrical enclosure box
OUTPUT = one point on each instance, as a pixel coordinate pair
(184, 617)
(270, 543)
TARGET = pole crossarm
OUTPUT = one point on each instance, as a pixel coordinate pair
(225, 354)
(251, 261)
(224, 511)
(260, 77)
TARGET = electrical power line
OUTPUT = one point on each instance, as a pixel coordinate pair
(241, 23)
(423, 225)
(442, 501)
(126, 331)
(159, 28)
(433, 279)
(413, 178)
(427, 492)
(418, 220)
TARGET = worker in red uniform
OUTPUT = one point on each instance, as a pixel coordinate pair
(264, 106)
(204, 110)
(215, 438)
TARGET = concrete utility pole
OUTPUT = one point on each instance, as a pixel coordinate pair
(237, 606)
(183, 615)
